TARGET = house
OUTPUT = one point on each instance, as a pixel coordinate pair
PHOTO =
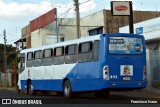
(46, 30)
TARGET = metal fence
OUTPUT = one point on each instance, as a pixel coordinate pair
(153, 65)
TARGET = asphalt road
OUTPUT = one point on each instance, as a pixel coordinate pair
(127, 97)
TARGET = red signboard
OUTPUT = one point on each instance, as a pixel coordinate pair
(43, 20)
(121, 8)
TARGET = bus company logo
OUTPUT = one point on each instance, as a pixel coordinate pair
(6, 101)
(121, 8)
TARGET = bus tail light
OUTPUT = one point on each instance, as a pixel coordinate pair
(106, 72)
(144, 73)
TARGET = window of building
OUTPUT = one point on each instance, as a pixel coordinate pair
(62, 39)
(96, 31)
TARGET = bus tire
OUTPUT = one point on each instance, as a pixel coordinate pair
(30, 89)
(67, 89)
(102, 93)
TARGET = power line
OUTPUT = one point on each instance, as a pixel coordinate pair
(66, 12)
(84, 2)
(13, 40)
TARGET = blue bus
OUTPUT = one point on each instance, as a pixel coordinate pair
(98, 64)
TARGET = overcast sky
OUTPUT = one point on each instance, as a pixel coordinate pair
(16, 14)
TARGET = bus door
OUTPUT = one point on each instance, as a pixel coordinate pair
(21, 68)
(126, 58)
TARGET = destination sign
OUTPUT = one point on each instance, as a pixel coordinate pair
(116, 41)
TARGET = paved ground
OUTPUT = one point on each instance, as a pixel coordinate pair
(144, 93)
(85, 99)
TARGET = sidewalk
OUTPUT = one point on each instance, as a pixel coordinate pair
(8, 88)
(152, 90)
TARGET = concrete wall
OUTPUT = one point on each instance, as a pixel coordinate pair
(92, 21)
(26, 34)
(36, 38)
(6, 79)
(67, 29)
(40, 37)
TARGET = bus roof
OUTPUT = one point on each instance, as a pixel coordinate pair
(70, 42)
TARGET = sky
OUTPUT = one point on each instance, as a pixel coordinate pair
(16, 14)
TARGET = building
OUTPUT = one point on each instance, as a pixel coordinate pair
(113, 23)
(151, 31)
(44, 30)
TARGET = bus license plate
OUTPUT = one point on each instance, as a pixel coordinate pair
(126, 78)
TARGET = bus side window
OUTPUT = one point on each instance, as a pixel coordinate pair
(58, 56)
(29, 62)
(47, 57)
(96, 50)
(38, 58)
(22, 62)
(85, 52)
(71, 54)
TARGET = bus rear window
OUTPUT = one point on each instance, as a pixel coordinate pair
(125, 45)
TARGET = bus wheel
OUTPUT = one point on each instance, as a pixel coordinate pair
(102, 93)
(30, 89)
(67, 89)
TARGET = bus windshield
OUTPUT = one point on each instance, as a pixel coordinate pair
(125, 45)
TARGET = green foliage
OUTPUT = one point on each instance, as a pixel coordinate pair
(11, 56)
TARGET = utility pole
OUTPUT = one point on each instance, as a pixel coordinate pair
(5, 56)
(57, 27)
(77, 18)
(131, 25)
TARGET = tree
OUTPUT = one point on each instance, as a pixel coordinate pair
(11, 56)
